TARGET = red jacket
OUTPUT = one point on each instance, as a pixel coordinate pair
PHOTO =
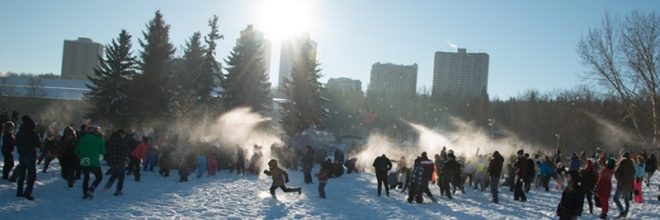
(604, 185)
(140, 151)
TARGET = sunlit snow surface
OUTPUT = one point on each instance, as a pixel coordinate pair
(228, 196)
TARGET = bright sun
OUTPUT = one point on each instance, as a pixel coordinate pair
(283, 18)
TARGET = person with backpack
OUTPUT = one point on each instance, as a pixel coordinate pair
(89, 149)
(495, 171)
(382, 165)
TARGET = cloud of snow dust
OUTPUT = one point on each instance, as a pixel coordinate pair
(614, 137)
(466, 141)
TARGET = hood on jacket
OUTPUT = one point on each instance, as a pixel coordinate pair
(27, 124)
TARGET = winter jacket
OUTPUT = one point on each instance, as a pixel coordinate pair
(531, 169)
(141, 150)
(589, 176)
(382, 164)
(8, 143)
(570, 205)
(89, 149)
(575, 164)
(625, 175)
(521, 167)
(451, 170)
(546, 169)
(280, 177)
(639, 171)
(417, 174)
(651, 164)
(604, 184)
(495, 165)
(27, 141)
(118, 150)
(427, 172)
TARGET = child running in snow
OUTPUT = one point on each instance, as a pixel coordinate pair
(280, 178)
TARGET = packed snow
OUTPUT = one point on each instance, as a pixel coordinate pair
(230, 196)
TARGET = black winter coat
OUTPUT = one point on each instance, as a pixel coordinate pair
(27, 141)
(570, 205)
(382, 164)
(117, 151)
(495, 165)
(451, 170)
(651, 164)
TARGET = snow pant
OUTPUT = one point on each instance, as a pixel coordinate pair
(201, 169)
(240, 167)
(446, 185)
(283, 187)
(528, 183)
(604, 203)
(469, 178)
(414, 194)
(47, 161)
(150, 161)
(444, 189)
(518, 193)
(118, 173)
(381, 177)
(322, 188)
(649, 174)
(27, 169)
(67, 162)
(494, 183)
(627, 196)
(212, 166)
(588, 194)
(424, 188)
(545, 182)
(134, 167)
(9, 163)
(307, 173)
(98, 177)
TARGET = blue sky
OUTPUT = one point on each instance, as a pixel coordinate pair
(532, 44)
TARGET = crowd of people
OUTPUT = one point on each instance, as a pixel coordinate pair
(587, 177)
(580, 176)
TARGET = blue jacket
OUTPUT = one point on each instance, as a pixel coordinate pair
(546, 169)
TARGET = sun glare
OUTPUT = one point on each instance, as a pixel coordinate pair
(283, 18)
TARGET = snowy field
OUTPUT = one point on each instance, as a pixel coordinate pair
(228, 196)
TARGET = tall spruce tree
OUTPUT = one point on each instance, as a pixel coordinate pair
(211, 70)
(187, 78)
(151, 91)
(246, 83)
(304, 105)
(110, 82)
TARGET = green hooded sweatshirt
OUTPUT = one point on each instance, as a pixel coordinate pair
(89, 149)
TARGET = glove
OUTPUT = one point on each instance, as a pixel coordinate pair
(266, 172)
(286, 180)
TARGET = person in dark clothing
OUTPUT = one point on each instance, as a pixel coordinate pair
(572, 199)
(589, 178)
(308, 163)
(451, 173)
(427, 175)
(415, 182)
(48, 152)
(165, 161)
(68, 159)
(323, 176)
(495, 171)
(650, 167)
(350, 165)
(186, 167)
(117, 153)
(27, 142)
(531, 173)
(521, 174)
(14, 116)
(8, 145)
(280, 178)
(382, 165)
(239, 164)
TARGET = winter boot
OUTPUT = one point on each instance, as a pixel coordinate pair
(29, 197)
(118, 193)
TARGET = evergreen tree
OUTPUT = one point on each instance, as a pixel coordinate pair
(304, 105)
(110, 82)
(188, 78)
(246, 82)
(151, 91)
(211, 69)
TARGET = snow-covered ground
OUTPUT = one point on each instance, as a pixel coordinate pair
(228, 196)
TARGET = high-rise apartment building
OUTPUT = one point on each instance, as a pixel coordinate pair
(393, 81)
(290, 53)
(460, 74)
(344, 85)
(80, 57)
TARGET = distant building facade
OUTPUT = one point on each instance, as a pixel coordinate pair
(343, 85)
(290, 53)
(393, 80)
(460, 74)
(80, 57)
